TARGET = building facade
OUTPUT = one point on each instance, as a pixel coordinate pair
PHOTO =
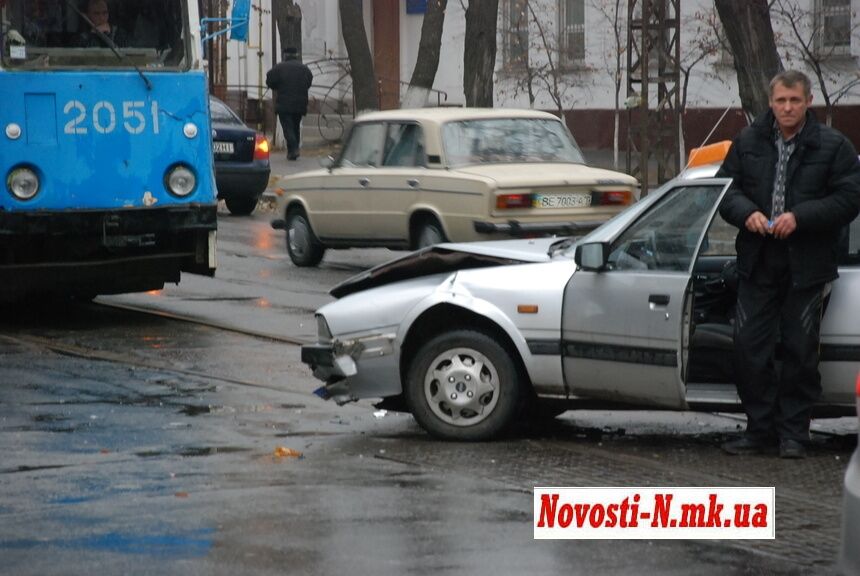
(568, 55)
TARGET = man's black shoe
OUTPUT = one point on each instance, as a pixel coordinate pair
(789, 448)
(293, 157)
(745, 445)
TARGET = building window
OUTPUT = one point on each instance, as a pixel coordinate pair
(516, 32)
(833, 26)
(572, 31)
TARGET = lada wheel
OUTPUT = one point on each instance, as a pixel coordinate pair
(463, 385)
(429, 233)
(302, 246)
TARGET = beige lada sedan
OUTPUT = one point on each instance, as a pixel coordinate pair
(413, 178)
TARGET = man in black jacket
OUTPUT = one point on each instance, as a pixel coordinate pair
(796, 184)
(291, 80)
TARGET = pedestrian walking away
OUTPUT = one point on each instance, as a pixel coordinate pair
(291, 80)
(795, 186)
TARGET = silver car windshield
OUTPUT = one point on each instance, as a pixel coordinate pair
(506, 140)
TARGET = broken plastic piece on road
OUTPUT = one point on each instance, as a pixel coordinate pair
(284, 452)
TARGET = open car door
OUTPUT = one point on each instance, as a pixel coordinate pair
(627, 309)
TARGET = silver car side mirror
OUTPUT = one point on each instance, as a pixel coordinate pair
(592, 256)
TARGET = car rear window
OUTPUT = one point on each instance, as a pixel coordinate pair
(221, 114)
(505, 140)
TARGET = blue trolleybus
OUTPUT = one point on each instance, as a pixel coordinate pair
(105, 147)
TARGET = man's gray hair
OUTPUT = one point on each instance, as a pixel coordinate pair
(790, 79)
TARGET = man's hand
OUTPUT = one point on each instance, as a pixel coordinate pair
(784, 226)
(757, 223)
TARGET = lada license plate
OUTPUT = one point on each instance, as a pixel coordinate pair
(223, 147)
(561, 200)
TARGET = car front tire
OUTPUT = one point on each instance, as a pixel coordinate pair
(302, 245)
(463, 385)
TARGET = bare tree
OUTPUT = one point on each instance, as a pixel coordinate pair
(428, 55)
(750, 34)
(479, 54)
(823, 58)
(549, 72)
(358, 51)
(611, 12)
(288, 17)
(539, 68)
(706, 41)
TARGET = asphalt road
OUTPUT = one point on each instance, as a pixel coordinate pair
(141, 444)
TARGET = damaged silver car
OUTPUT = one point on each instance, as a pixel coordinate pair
(473, 338)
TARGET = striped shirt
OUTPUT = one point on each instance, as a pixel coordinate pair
(785, 149)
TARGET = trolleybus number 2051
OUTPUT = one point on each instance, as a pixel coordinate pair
(104, 117)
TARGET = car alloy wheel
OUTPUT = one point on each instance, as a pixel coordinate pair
(303, 247)
(464, 385)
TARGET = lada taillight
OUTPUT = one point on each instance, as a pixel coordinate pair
(612, 198)
(508, 201)
(261, 148)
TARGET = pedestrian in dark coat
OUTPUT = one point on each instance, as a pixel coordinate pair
(795, 185)
(291, 80)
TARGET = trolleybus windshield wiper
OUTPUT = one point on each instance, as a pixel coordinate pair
(110, 43)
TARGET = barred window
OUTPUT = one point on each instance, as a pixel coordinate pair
(833, 26)
(516, 33)
(572, 31)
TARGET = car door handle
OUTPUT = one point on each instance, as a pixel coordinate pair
(364, 182)
(658, 299)
(413, 183)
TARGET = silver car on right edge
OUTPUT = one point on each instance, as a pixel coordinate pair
(850, 556)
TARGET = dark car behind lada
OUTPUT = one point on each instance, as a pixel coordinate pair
(241, 159)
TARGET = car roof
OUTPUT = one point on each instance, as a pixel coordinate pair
(446, 114)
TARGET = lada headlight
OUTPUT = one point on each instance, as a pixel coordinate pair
(23, 183)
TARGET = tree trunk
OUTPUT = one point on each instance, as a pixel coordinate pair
(428, 55)
(289, 19)
(358, 50)
(479, 55)
(750, 34)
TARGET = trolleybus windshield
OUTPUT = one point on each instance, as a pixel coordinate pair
(46, 34)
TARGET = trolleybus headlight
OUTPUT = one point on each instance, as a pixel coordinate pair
(181, 181)
(23, 183)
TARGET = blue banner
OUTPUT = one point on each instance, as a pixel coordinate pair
(239, 20)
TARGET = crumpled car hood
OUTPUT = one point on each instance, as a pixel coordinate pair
(448, 258)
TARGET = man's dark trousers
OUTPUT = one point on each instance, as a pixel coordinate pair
(291, 124)
(770, 308)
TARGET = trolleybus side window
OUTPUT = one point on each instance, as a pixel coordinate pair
(150, 34)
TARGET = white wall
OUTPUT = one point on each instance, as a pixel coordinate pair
(712, 83)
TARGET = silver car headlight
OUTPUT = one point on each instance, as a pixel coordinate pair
(323, 331)
(181, 180)
(23, 183)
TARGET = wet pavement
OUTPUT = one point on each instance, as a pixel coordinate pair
(141, 445)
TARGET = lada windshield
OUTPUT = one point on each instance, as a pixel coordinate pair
(76, 34)
(506, 140)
